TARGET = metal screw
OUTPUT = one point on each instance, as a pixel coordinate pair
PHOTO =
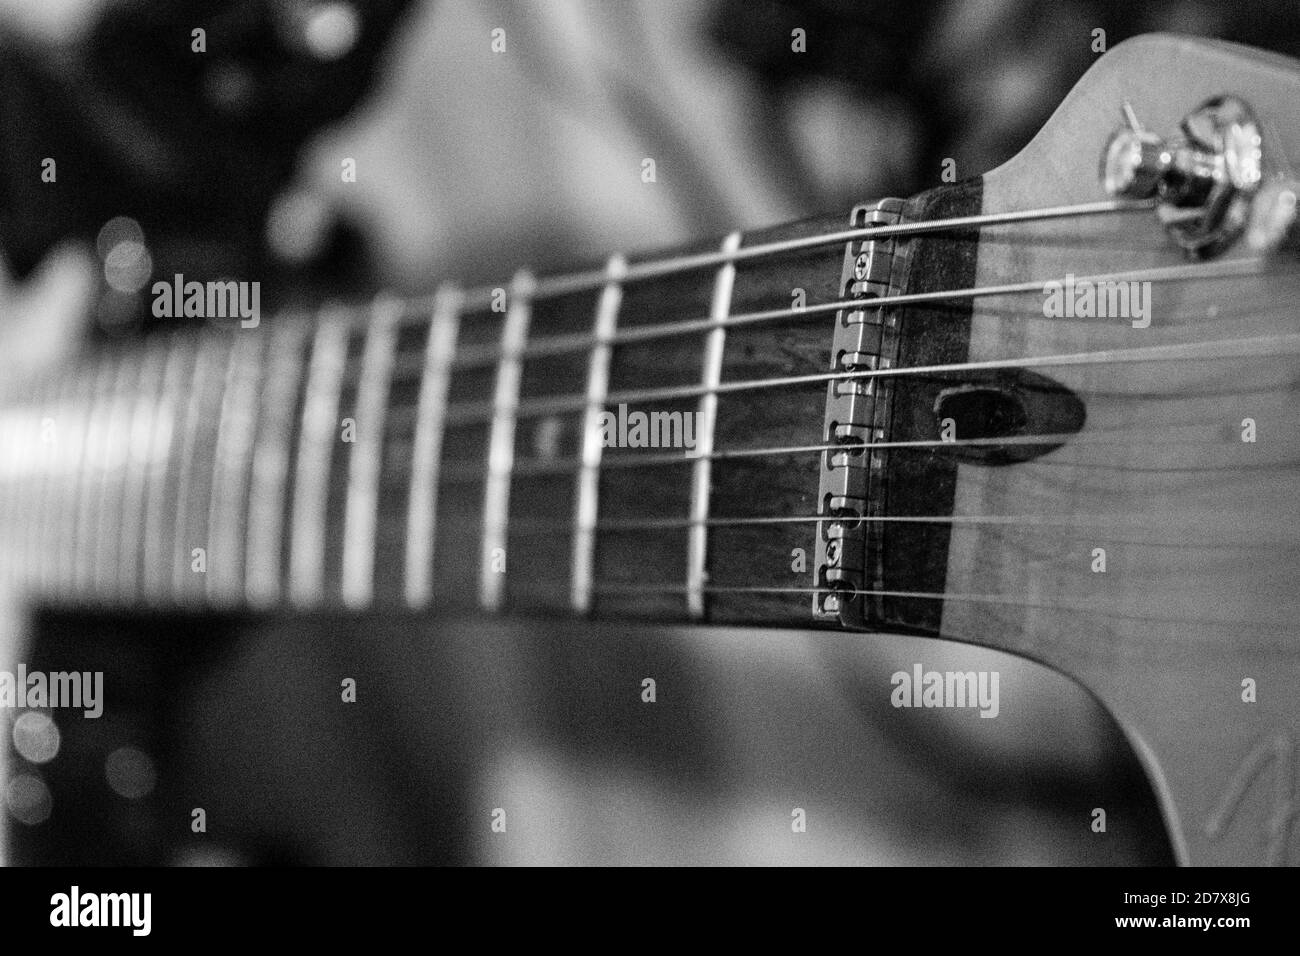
(862, 266)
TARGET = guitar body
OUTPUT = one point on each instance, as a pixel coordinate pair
(1149, 552)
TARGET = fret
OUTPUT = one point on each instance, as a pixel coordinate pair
(89, 491)
(164, 463)
(315, 454)
(41, 461)
(8, 496)
(47, 503)
(629, 492)
(72, 437)
(501, 443)
(194, 480)
(34, 466)
(199, 441)
(426, 458)
(361, 511)
(232, 463)
(715, 343)
(18, 466)
(778, 485)
(21, 438)
(586, 507)
(9, 503)
(268, 494)
(74, 434)
(143, 421)
(27, 436)
(458, 543)
(116, 456)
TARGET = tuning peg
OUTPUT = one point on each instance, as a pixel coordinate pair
(1272, 222)
(1135, 161)
(1204, 180)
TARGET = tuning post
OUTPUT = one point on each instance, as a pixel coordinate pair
(1135, 161)
(1204, 182)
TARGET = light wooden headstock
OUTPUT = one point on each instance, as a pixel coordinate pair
(1183, 483)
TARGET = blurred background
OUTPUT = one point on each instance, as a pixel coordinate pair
(469, 163)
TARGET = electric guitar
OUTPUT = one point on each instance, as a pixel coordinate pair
(1052, 411)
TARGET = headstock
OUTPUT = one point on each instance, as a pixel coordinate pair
(1184, 478)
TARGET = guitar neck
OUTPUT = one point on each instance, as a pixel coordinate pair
(554, 445)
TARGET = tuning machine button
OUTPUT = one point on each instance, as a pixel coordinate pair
(1204, 182)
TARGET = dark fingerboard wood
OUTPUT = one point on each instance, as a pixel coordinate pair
(348, 458)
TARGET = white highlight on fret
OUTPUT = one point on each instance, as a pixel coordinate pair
(210, 370)
(426, 457)
(113, 480)
(587, 502)
(24, 432)
(701, 472)
(39, 457)
(230, 469)
(361, 512)
(26, 435)
(73, 447)
(10, 448)
(47, 566)
(89, 481)
(139, 448)
(320, 424)
(10, 444)
(501, 447)
(159, 505)
(267, 497)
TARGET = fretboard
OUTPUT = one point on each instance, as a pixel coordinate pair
(617, 445)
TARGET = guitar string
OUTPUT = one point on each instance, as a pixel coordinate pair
(1169, 274)
(559, 344)
(533, 527)
(556, 345)
(485, 410)
(1083, 606)
(559, 285)
(487, 355)
(556, 286)
(1232, 348)
(1149, 353)
(1089, 524)
(481, 413)
(471, 471)
(567, 284)
(415, 310)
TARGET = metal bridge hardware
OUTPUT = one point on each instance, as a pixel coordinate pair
(851, 487)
